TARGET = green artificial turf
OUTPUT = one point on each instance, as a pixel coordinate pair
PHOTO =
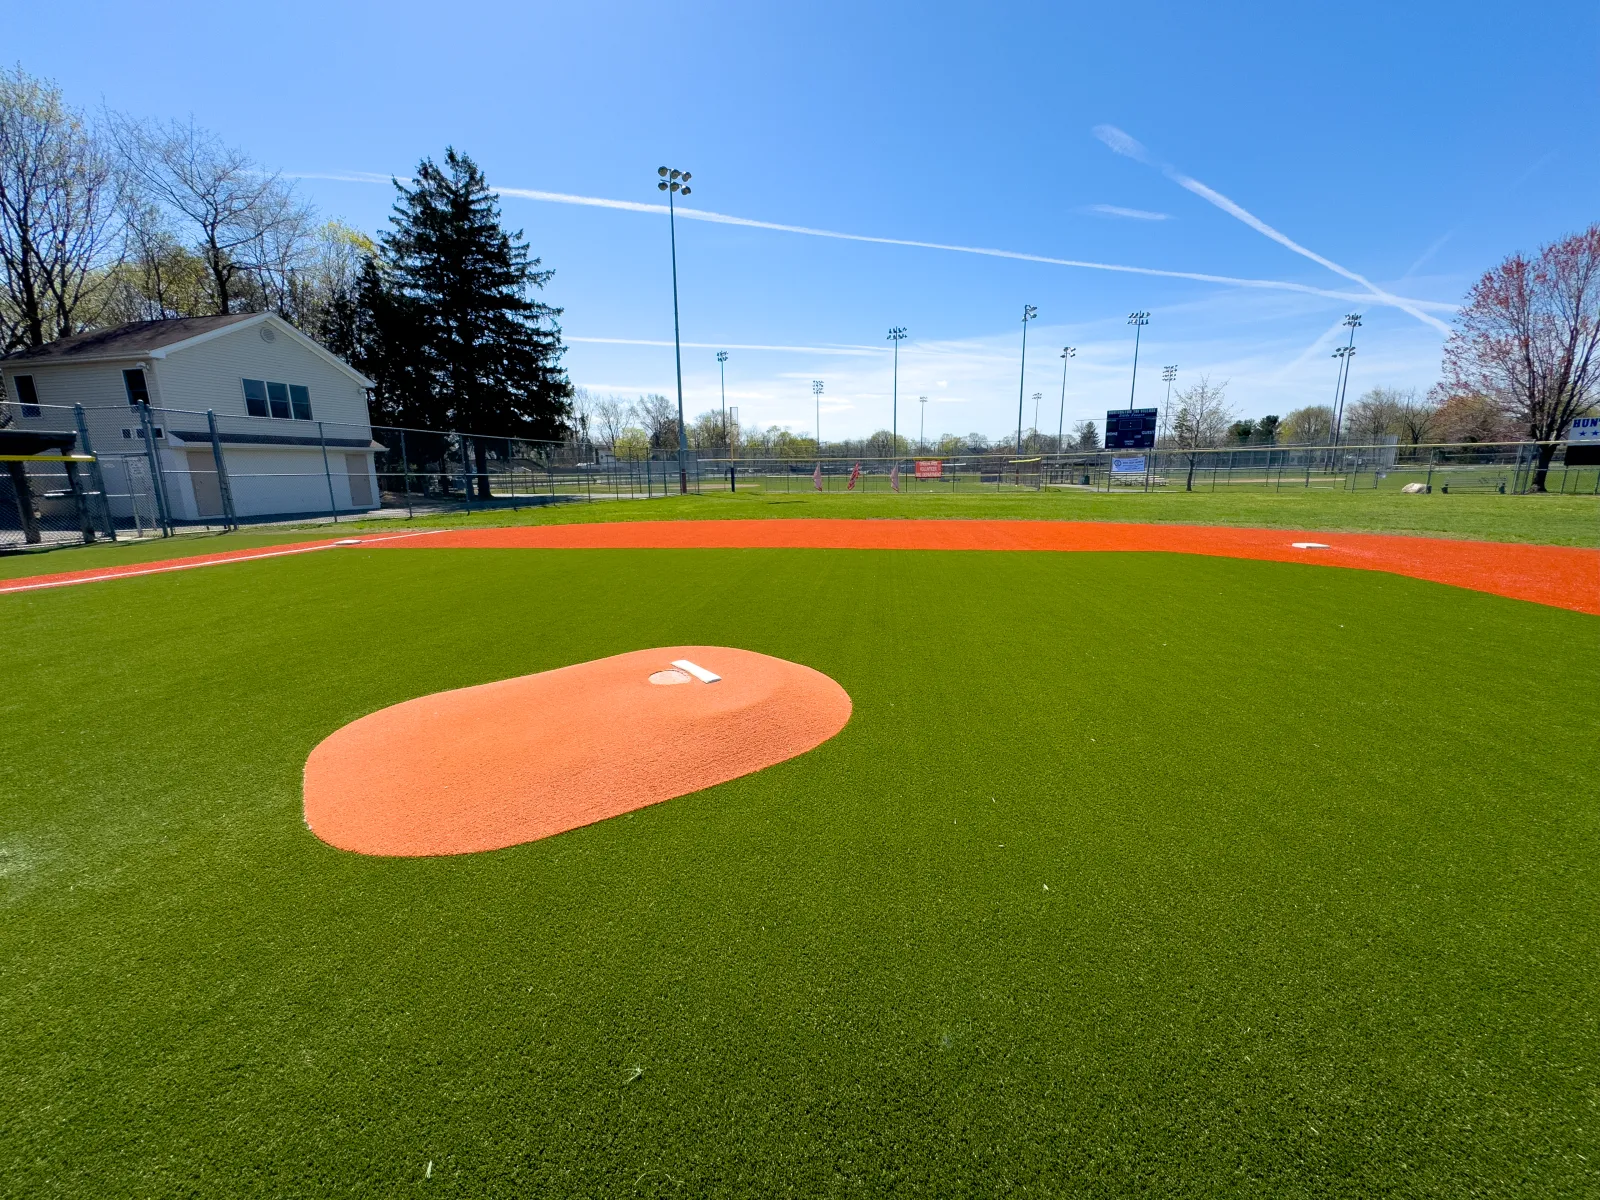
(1554, 520)
(1132, 875)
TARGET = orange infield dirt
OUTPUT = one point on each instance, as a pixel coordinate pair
(1561, 576)
(570, 747)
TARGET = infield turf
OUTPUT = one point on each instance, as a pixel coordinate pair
(1131, 874)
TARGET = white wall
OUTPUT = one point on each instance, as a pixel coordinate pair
(211, 374)
(266, 480)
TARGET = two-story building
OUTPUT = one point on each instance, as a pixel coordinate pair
(290, 417)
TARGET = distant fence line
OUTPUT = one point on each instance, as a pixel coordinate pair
(154, 470)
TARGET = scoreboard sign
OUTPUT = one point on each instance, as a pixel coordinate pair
(1131, 428)
(1583, 442)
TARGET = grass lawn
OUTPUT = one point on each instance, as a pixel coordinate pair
(1131, 875)
(1555, 520)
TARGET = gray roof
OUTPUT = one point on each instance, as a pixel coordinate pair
(126, 340)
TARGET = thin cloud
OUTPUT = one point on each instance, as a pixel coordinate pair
(853, 351)
(696, 214)
(1121, 143)
(1133, 214)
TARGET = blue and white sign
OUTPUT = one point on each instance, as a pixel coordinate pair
(1584, 430)
(1128, 466)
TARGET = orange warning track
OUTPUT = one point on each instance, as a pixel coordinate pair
(496, 765)
(1561, 576)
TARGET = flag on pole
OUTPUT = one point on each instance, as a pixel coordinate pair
(894, 477)
(854, 475)
(816, 478)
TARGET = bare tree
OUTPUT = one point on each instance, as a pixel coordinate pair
(1376, 415)
(611, 416)
(1201, 421)
(1469, 417)
(59, 225)
(659, 416)
(1418, 417)
(1529, 338)
(247, 223)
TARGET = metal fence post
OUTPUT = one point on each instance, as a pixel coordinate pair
(405, 468)
(466, 477)
(157, 483)
(97, 477)
(224, 488)
(327, 472)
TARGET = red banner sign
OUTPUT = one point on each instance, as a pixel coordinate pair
(929, 468)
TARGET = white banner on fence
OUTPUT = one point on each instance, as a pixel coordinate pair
(1128, 466)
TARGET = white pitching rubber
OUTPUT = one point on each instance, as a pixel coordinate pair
(695, 669)
(1311, 545)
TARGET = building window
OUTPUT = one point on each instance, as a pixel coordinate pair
(26, 395)
(278, 399)
(281, 400)
(255, 397)
(138, 391)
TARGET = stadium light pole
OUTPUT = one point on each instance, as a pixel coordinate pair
(1034, 432)
(816, 390)
(675, 182)
(1168, 374)
(1138, 320)
(722, 370)
(896, 335)
(922, 429)
(1067, 354)
(1343, 353)
(1029, 312)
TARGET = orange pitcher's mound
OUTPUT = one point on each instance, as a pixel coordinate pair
(509, 762)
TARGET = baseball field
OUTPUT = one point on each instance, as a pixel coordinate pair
(1131, 873)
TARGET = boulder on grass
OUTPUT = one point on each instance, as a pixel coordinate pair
(1414, 489)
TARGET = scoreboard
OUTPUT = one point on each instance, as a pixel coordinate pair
(1131, 428)
(1583, 442)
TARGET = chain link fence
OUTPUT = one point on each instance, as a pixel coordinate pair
(121, 471)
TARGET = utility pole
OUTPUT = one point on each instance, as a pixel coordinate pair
(1168, 374)
(816, 390)
(1343, 354)
(1138, 320)
(1029, 312)
(722, 369)
(675, 182)
(1067, 353)
(896, 335)
(922, 429)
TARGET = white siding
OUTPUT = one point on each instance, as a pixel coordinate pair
(97, 386)
(266, 480)
(211, 374)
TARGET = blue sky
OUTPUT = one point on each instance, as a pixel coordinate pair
(1409, 145)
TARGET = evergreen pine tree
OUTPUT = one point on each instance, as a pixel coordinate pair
(457, 341)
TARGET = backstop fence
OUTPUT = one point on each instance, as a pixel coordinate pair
(141, 470)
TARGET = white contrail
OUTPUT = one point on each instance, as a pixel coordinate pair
(853, 351)
(1134, 214)
(1120, 143)
(698, 214)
